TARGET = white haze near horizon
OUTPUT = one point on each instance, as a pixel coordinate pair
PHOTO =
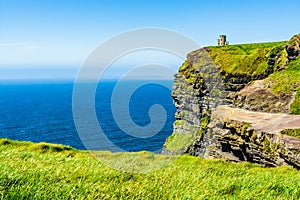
(117, 69)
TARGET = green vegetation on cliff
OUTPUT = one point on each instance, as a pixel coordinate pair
(288, 81)
(295, 106)
(47, 171)
(264, 59)
(244, 59)
(178, 142)
(277, 62)
(291, 132)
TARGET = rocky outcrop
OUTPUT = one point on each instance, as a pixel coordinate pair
(241, 135)
(257, 96)
(293, 47)
(204, 126)
(197, 90)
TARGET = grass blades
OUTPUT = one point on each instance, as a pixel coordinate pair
(32, 173)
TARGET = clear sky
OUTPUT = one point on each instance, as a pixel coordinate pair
(57, 34)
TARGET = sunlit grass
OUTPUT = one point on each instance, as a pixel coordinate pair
(252, 61)
(31, 173)
(247, 59)
(291, 132)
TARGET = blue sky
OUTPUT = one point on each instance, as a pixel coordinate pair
(49, 35)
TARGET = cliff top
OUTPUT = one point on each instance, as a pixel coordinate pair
(250, 59)
(278, 63)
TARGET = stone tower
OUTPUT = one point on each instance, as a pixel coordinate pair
(222, 41)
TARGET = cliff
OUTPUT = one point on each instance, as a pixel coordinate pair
(258, 83)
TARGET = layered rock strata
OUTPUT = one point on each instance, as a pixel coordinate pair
(239, 131)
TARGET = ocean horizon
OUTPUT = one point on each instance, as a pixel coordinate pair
(41, 111)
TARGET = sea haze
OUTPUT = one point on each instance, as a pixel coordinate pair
(43, 113)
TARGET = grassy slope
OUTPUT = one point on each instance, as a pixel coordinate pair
(247, 59)
(288, 80)
(44, 171)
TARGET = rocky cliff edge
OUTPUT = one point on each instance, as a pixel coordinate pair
(240, 103)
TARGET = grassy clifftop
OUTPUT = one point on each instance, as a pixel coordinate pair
(276, 62)
(248, 59)
(47, 171)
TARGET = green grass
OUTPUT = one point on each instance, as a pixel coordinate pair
(179, 122)
(245, 59)
(27, 172)
(178, 141)
(295, 106)
(291, 132)
(286, 80)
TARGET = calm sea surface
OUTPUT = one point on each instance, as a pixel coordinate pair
(43, 113)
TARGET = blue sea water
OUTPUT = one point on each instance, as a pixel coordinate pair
(43, 113)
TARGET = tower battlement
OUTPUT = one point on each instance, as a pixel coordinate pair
(222, 41)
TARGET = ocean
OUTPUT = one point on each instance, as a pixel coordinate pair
(42, 112)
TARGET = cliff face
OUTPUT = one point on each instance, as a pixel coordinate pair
(264, 138)
(252, 78)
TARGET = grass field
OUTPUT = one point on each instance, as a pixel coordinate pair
(48, 171)
(247, 59)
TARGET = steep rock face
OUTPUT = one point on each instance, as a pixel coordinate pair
(198, 89)
(195, 95)
(240, 135)
(231, 75)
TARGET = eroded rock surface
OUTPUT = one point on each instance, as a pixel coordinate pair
(241, 135)
(257, 96)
